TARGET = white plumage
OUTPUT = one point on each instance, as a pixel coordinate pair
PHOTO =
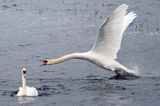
(26, 90)
(111, 32)
(30, 91)
(105, 49)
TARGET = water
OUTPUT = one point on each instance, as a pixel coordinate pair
(32, 30)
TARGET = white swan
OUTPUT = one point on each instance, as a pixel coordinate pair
(26, 90)
(108, 43)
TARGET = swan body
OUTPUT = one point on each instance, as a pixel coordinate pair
(26, 90)
(108, 43)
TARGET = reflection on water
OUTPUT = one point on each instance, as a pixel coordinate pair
(25, 99)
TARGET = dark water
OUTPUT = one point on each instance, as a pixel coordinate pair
(32, 30)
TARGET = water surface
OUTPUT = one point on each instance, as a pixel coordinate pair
(32, 30)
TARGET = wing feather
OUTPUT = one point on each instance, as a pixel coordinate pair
(110, 34)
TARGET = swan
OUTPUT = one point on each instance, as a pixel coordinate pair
(108, 43)
(26, 90)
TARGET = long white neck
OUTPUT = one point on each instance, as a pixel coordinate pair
(67, 57)
(23, 82)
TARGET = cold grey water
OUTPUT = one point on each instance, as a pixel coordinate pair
(33, 30)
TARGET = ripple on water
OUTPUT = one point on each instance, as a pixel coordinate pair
(9, 93)
(25, 45)
(100, 85)
(91, 84)
(7, 88)
(50, 87)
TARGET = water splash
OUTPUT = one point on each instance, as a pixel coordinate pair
(135, 70)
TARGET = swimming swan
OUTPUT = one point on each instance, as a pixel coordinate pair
(26, 90)
(105, 49)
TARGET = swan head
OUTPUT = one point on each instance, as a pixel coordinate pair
(45, 62)
(24, 72)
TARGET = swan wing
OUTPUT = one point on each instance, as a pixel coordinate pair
(32, 91)
(110, 34)
(20, 91)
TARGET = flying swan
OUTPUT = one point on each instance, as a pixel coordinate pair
(26, 90)
(105, 49)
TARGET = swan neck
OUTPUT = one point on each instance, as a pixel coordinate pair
(24, 82)
(66, 57)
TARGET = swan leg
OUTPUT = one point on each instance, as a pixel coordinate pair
(121, 70)
(123, 74)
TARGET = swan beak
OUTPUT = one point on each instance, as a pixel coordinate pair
(45, 62)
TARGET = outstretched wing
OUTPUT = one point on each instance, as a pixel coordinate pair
(110, 34)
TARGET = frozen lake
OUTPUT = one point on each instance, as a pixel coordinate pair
(32, 30)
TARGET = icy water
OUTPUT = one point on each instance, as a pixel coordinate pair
(32, 30)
